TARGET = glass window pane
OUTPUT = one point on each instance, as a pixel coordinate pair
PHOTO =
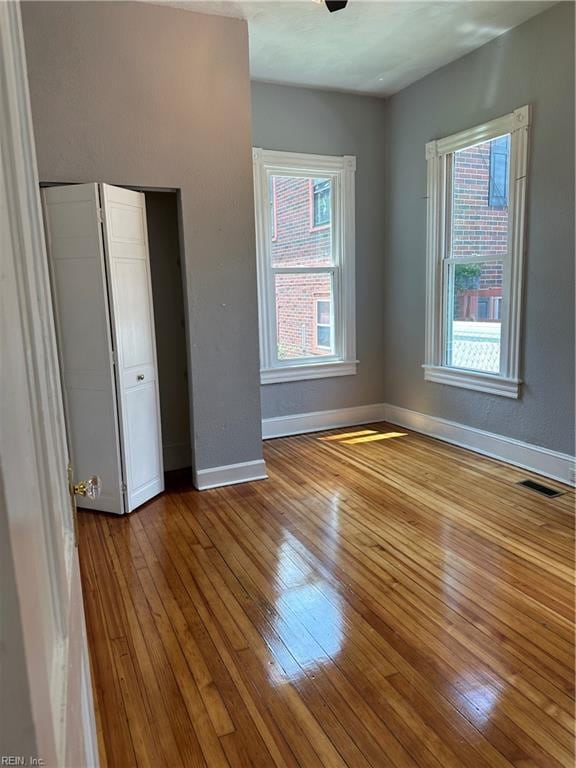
(480, 199)
(323, 312)
(323, 336)
(301, 221)
(303, 307)
(321, 203)
(474, 316)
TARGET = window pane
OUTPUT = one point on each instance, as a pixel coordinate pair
(323, 312)
(321, 207)
(474, 312)
(301, 221)
(480, 199)
(303, 303)
(323, 336)
(498, 186)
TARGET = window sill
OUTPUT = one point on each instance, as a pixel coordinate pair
(481, 382)
(309, 371)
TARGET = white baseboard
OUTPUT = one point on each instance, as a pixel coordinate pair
(215, 477)
(543, 461)
(283, 426)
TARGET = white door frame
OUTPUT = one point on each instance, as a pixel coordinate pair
(33, 447)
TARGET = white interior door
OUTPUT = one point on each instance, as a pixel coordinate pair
(47, 710)
(126, 247)
(76, 250)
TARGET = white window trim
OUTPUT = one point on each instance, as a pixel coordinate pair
(507, 382)
(342, 172)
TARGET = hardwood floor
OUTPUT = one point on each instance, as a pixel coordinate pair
(379, 601)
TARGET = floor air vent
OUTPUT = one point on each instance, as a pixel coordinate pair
(545, 490)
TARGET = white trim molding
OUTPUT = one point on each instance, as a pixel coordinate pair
(341, 172)
(317, 421)
(231, 474)
(305, 372)
(439, 155)
(534, 458)
(485, 382)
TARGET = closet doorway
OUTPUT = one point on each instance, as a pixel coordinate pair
(166, 265)
(118, 298)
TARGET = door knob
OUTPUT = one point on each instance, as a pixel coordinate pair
(140, 377)
(90, 488)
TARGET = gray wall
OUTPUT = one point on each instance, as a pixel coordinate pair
(532, 64)
(169, 321)
(305, 120)
(113, 100)
(150, 96)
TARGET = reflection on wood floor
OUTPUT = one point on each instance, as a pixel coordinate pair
(392, 601)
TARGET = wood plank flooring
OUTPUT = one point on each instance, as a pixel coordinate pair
(380, 601)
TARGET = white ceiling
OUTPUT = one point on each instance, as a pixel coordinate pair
(373, 46)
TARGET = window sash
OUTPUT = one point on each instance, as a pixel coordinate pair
(303, 270)
(439, 156)
(448, 202)
(336, 313)
(477, 259)
(448, 312)
(447, 261)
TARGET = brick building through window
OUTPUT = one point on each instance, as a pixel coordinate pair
(301, 211)
(480, 228)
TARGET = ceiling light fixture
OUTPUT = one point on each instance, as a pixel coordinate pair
(336, 5)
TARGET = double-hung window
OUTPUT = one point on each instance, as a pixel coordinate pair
(305, 246)
(476, 209)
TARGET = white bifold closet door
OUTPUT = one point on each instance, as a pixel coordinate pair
(98, 246)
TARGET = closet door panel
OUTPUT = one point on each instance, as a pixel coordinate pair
(83, 335)
(126, 245)
(80, 297)
(91, 424)
(144, 454)
(135, 335)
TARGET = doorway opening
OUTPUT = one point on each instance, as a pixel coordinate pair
(166, 267)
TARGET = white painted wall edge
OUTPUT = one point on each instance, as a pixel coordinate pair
(231, 474)
(543, 461)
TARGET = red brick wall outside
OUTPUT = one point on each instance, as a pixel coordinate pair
(477, 229)
(296, 243)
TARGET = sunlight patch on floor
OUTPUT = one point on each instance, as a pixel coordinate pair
(362, 436)
(372, 438)
(344, 435)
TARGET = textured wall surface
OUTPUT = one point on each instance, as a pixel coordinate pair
(532, 64)
(152, 96)
(324, 123)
